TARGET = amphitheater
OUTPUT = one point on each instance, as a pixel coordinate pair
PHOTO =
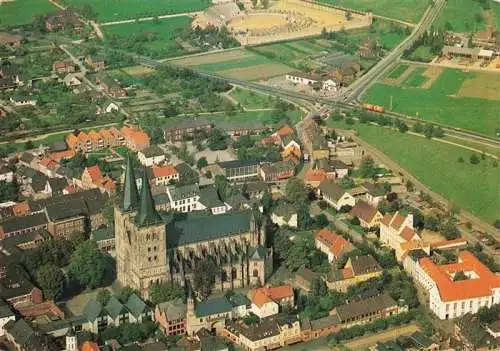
(282, 20)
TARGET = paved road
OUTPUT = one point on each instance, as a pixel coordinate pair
(360, 85)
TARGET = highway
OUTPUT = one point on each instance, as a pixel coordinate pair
(355, 90)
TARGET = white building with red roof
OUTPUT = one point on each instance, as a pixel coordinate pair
(333, 245)
(459, 288)
(266, 301)
(397, 232)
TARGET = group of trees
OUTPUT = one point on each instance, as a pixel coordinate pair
(9, 191)
(433, 39)
(210, 37)
(84, 265)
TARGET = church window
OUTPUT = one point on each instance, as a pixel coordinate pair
(156, 258)
(149, 259)
(154, 248)
(255, 273)
(149, 249)
(148, 236)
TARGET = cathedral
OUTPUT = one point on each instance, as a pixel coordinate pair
(151, 249)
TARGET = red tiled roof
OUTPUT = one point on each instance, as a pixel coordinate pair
(386, 220)
(21, 209)
(347, 273)
(57, 156)
(397, 220)
(48, 163)
(315, 175)
(407, 233)
(264, 295)
(95, 174)
(90, 346)
(463, 289)
(166, 171)
(286, 130)
(337, 244)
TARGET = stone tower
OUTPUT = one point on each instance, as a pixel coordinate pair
(141, 237)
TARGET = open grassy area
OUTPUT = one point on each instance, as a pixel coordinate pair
(115, 10)
(416, 78)
(398, 71)
(265, 117)
(440, 102)
(471, 187)
(465, 15)
(19, 12)
(151, 38)
(407, 10)
(251, 99)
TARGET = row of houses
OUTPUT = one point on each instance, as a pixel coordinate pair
(132, 138)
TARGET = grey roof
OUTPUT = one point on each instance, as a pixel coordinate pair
(338, 164)
(258, 253)
(57, 146)
(60, 210)
(203, 228)
(38, 182)
(307, 274)
(373, 189)
(152, 151)
(17, 240)
(27, 157)
(256, 187)
(135, 305)
(185, 123)
(325, 322)
(14, 224)
(285, 210)
(5, 310)
(209, 197)
(237, 201)
(364, 307)
(114, 307)
(239, 299)
(20, 330)
(266, 327)
(89, 202)
(213, 306)
(238, 163)
(154, 346)
(27, 172)
(183, 192)
(57, 184)
(175, 309)
(331, 189)
(212, 343)
(92, 310)
(104, 233)
(16, 282)
(364, 265)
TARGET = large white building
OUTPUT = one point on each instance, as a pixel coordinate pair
(451, 297)
(397, 232)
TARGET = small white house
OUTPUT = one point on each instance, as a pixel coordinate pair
(265, 309)
(335, 195)
(150, 156)
(6, 174)
(185, 198)
(285, 215)
(111, 107)
(329, 85)
(23, 101)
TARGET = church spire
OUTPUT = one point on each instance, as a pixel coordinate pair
(147, 214)
(130, 193)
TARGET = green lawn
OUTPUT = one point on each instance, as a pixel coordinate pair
(251, 99)
(471, 187)
(405, 10)
(19, 12)
(398, 71)
(265, 117)
(416, 78)
(115, 10)
(422, 54)
(465, 15)
(439, 103)
(250, 60)
(160, 36)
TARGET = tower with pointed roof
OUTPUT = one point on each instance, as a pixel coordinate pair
(141, 237)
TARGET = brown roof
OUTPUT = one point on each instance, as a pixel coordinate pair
(364, 211)
(407, 233)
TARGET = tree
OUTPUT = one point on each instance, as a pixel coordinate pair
(304, 219)
(402, 127)
(409, 186)
(460, 275)
(267, 201)
(474, 159)
(449, 229)
(103, 296)
(429, 131)
(88, 265)
(77, 238)
(348, 15)
(254, 3)
(431, 223)
(418, 128)
(9, 191)
(217, 140)
(367, 168)
(161, 292)
(295, 191)
(496, 224)
(202, 162)
(321, 220)
(204, 277)
(208, 174)
(438, 132)
(52, 281)
(265, 3)
(461, 159)
(347, 183)
(125, 293)
(318, 287)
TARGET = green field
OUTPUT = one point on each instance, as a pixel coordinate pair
(407, 10)
(161, 36)
(245, 62)
(115, 10)
(466, 16)
(471, 187)
(416, 78)
(251, 99)
(398, 71)
(19, 12)
(440, 103)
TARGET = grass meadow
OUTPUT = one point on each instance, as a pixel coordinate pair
(471, 187)
(19, 12)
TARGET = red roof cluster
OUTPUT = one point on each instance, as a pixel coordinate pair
(480, 285)
(264, 295)
(337, 244)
